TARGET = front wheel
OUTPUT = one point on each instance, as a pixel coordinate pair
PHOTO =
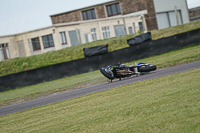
(147, 68)
(106, 73)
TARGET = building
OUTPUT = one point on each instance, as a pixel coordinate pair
(194, 14)
(105, 20)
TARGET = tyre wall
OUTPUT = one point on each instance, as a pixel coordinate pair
(143, 50)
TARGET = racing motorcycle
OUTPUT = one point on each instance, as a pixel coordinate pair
(121, 71)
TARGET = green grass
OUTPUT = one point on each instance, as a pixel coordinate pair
(166, 104)
(186, 55)
(47, 88)
(173, 58)
(156, 34)
(76, 52)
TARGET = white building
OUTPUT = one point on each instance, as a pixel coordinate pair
(101, 21)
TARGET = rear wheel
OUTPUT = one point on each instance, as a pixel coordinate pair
(106, 73)
(147, 68)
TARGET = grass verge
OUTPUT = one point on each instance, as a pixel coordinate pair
(76, 52)
(182, 56)
(166, 104)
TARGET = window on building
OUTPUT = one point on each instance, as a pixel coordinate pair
(36, 43)
(89, 14)
(94, 34)
(4, 51)
(63, 38)
(113, 9)
(106, 32)
(48, 41)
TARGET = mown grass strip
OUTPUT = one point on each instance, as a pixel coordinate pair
(76, 52)
(47, 88)
(166, 104)
(173, 58)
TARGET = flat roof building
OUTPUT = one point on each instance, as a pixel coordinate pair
(101, 21)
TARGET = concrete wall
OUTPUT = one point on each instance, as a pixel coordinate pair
(25, 37)
(168, 5)
(12, 45)
(85, 28)
(136, 52)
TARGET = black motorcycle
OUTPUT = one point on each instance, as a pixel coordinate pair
(121, 71)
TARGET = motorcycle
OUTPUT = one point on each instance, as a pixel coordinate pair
(121, 71)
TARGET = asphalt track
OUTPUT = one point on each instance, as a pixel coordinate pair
(96, 88)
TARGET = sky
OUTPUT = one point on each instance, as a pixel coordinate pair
(17, 16)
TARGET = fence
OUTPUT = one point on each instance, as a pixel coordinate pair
(143, 50)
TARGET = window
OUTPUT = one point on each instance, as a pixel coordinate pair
(113, 9)
(89, 14)
(94, 34)
(63, 38)
(48, 41)
(106, 32)
(35, 44)
(4, 51)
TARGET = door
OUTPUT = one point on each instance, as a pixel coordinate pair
(5, 54)
(74, 38)
(119, 30)
(141, 27)
(172, 18)
(163, 20)
(130, 30)
(22, 52)
(88, 38)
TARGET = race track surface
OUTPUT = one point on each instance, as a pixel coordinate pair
(96, 88)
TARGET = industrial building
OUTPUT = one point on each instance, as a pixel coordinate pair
(102, 21)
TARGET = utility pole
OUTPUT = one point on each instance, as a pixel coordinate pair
(176, 16)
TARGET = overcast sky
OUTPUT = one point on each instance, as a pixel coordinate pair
(18, 16)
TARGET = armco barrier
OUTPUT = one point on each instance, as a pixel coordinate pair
(146, 49)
